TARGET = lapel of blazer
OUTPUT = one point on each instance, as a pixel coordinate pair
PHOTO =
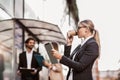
(75, 50)
(79, 51)
(25, 59)
(32, 61)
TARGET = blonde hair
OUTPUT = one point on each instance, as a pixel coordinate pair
(96, 36)
(89, 24)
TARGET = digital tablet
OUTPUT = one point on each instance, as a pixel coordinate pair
(23, 70)
(48, 47)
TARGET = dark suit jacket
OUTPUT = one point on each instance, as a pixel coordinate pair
(34, 64)
(83, 61)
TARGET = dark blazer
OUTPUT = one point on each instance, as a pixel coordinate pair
(34, 64)
(83, 61)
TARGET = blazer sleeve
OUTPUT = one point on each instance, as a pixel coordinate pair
(89, 55)
(67, 50)
(20, 61)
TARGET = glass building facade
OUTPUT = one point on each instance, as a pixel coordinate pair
(13, 36)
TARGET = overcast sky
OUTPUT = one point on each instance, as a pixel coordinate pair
(105, 15)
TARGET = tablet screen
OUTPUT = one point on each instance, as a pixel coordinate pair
(48, 47)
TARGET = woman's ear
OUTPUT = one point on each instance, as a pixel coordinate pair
(87, 30)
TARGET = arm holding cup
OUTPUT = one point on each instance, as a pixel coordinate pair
(70, 35)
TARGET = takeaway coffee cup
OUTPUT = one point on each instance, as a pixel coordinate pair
(71, 33)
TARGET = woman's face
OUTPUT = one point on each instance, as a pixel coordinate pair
(81, 31)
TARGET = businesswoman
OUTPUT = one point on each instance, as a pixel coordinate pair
(81, 60)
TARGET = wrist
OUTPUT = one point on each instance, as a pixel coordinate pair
(69, 44)
(54, 68)
(60, 57)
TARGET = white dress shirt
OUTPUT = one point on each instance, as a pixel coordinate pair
(29, 58)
